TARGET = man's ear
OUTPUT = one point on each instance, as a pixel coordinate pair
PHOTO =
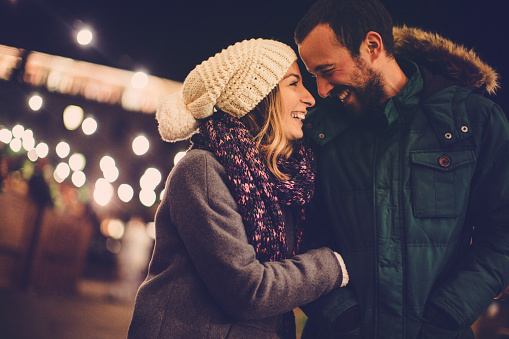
(373, 44)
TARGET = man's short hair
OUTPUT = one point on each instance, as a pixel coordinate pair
(350, 20)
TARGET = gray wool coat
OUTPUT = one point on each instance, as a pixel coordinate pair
(204, 280)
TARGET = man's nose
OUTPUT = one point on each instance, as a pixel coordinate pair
(323, 86)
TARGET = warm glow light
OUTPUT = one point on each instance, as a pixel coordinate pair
(27, 134)
(35, 102)
(109, 169)
(112, 228)
(111, 174)
(32, 155)
(147, 197)
(62, 171)
(103, 192)
(140, 145)
(84, 37)
(178, 156)
(15, 144)
(77, 162)
(150, 179)
(116, 228)
(5, 135)
(73, 115)
(125, 192)
(63, 149)
(89, 126)
(106, 163)
(17, 131)
(28, 139)
(42, 150)
(139, 80)
(78, 178)
(28, 143)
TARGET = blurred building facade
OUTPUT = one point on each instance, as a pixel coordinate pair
(51, 227)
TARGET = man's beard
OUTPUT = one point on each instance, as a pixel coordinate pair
(369, 93)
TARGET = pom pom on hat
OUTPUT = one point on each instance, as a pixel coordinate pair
(234, 80)
(175, 121)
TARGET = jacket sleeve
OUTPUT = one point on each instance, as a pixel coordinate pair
(207, 219)
(483, 272)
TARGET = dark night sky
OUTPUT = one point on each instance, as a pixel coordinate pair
(170, 37)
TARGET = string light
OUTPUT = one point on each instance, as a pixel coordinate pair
(17, 131)
(78, 178)
(139, 80)
(125, 192)
(140, 145)
(84, 36)
(35, 102)
(5, 135)
(77, 162)
(15, 144)
(42, 150)
(73, 115)
(63, 149)
(178, 157)
(103, 192)
(89, 126)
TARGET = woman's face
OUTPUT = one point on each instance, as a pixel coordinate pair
(295, 100)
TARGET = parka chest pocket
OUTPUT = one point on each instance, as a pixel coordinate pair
(440, 181)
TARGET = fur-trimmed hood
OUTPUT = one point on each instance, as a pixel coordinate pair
(444, 57)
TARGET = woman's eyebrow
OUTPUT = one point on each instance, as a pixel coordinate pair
(292, 74)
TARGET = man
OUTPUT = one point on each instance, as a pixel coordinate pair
(413, 176)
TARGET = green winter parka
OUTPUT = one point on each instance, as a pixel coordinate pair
(418, 203)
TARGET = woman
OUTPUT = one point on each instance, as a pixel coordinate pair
(233, 206)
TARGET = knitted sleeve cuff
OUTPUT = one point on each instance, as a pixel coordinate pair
(344, 272)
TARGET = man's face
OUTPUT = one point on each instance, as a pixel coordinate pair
(352, 80)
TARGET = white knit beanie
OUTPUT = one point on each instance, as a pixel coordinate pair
(234, 80)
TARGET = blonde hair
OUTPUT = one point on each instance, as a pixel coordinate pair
(265, 123)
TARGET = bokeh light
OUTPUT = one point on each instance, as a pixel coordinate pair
(73, 115)
(78, 178)
(150, 179)
(139, 80)
(15, 144)
(89, 126)
(140, 145)
(178, 157)
(5, 135)
(125, 192)
(103, 192)
(112, 228)
(111, 174)
(32, 155)
(84, 36)
(61, 172)
(147, 197)
(42, 150)
(28, 143)
(63, 149)
(17, 131)
(77, 162)
(35, 102)
(106, 163)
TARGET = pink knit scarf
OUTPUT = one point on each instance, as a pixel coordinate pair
(257, 192)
